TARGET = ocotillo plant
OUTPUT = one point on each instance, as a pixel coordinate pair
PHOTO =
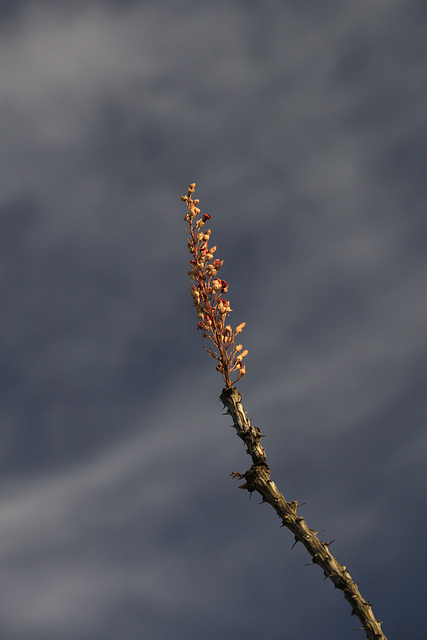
(208, 291)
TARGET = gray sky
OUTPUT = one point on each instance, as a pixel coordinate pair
(304, 126)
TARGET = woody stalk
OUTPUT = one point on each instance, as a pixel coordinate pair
(208, 291)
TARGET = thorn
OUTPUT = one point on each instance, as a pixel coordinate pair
(296, 541)
(314, 561)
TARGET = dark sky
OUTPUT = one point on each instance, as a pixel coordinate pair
(304, 125)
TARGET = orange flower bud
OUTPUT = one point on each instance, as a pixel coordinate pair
(239, 329)
(241, 373)
(216, 284)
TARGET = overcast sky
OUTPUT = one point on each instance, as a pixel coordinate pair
(304, 125)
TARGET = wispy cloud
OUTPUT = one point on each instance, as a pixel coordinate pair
(304, 127)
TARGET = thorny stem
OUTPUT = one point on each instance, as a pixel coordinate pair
(213, 309)
(257, 478)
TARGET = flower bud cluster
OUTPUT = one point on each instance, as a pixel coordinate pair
(208, 291)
